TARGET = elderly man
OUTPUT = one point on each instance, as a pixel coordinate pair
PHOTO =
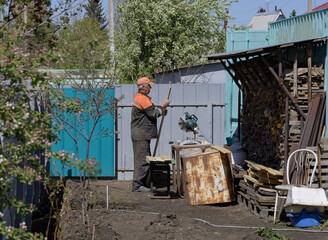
(143, 128)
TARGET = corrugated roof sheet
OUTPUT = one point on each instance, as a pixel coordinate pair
(249, 52)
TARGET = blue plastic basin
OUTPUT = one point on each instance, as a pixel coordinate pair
(306, 218)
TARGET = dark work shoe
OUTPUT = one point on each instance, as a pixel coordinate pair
(142, 189)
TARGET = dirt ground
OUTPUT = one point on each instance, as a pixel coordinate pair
(135, 215)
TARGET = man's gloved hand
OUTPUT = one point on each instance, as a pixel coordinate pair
(164, 111)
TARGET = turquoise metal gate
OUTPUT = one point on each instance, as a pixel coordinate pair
(101, 149)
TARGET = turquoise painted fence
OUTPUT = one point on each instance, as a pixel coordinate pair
(303, 27)
(102, 149)
(238, 40)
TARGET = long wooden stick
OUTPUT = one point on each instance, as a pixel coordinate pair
(160, 127)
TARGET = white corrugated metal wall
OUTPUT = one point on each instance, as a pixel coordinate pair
(206, 101)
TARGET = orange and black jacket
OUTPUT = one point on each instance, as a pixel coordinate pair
(144, 118)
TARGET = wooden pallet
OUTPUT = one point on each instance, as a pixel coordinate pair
(253, 206)
(264, 176)
(324, 162)
(260, 196)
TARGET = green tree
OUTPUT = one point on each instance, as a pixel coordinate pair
(261, 10)
(94, 10)
(27, 134)
(83, 45)
(241, 27)
(293, 13)
(153, 36)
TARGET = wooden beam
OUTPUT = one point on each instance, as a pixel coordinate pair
(256, 73)
(242, 80)
(284, 88)
(286, 149)
(239, 114)
(241, 73)
(309, 62)
(230, 73)
(262, 70)
(295, 94)
(246, 70)
(280, 64)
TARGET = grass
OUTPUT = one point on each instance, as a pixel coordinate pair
(268, 233)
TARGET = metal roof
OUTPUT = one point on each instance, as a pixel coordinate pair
(260, 21)
(323, 6)
(256, 51)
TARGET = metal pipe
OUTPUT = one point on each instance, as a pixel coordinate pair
(309, 5)
(107, 197)
(183, 105)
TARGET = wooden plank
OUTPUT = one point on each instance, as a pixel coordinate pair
(263, 177)
(244, 195)
(324, 162)
(324, 141)
(257, 183)
(160, 159)
(266, 191)
(221, 149)
(261, 167)
(247, 189)
(265, 199)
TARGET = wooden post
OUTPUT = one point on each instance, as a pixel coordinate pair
(284, 88)
(160, 127)
(239, 114)
(286, 147)
(309, 61)
(280, 64)
(295, 73)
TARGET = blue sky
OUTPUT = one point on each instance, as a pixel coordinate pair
(244, 10)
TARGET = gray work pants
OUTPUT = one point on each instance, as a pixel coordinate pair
(141, 149)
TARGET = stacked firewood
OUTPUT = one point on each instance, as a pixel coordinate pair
(262, 126)
(317, 79)
(296, 122)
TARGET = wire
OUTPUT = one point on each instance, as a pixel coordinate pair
(247, 227)
(223, 226)
(202, 135)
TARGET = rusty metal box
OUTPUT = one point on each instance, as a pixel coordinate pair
(208, 177)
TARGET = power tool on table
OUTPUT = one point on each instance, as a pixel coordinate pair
(188, 123)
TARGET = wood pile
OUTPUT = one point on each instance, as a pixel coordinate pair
(317, 86)
(262, 122)
(321, 178)
(263, 176)
(256, 191)
(323, 163)
(317, 79)
(263, 108)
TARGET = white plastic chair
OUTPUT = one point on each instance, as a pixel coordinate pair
(303, 161)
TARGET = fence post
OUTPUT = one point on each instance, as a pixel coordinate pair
(210, 121)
